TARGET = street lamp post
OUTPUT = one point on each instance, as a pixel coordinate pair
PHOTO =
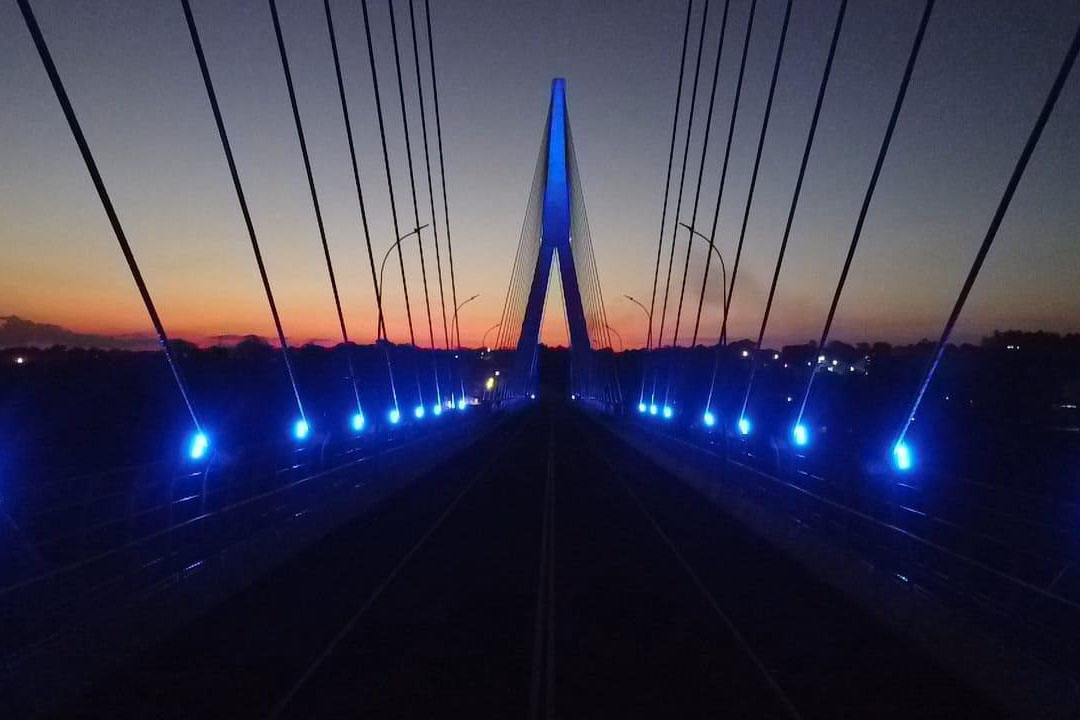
(483, 339)
(648, 316)
(621, 345)
(723, 268)
(462, 304)
(382, 266)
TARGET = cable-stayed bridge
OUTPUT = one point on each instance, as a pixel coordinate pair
(696, 527)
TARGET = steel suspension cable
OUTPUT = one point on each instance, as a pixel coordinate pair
(381, 330)
(355, 166)
(667, 177)
(754, 173)
(442, 168)
(241, 199)
(386, 165)
(723, 177)
(825, 75)
(409, 162)
(869, 195)
(991, 233)
(314, 198)
(701, 171)
(682, 174)
(427, 165)
(106, 202)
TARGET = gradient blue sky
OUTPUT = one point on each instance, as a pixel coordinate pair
(133, 79)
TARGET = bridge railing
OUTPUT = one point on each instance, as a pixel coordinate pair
(100, 543)
(1013, 570)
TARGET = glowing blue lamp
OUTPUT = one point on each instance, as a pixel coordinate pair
(668, 412)
(902, 456)
(800, 435)
(641, 407)
(357, 422)
(744, 426)
(418, 411)
(301, 429)
(395, 416)
(436, 410)
(200, 443)
(461, 404)
(708, 418)
(653, 409)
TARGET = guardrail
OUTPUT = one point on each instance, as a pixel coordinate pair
(1028, 592)
(113, 540)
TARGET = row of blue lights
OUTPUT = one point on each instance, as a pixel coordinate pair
(902, 457)
(199, 444)
(655, 409)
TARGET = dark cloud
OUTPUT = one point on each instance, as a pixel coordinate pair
(19, 332)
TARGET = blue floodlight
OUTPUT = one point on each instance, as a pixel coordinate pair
(653, 409)
(461, 404)
(301, 429)
(395, 416)
(708, 418)
(200, 443)
(800, 435)
(641, 407)
(902, 456)
(357, 422)
(744, 426)
(436, 410)
(668, 412)
(418, 411)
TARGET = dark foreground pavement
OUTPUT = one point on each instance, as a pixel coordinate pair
(552, 572)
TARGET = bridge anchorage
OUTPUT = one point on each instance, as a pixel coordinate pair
(556, 233)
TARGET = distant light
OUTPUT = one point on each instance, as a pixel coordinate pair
(20, 360)
(851, 368)
(746, 353)
(418, 411)
(789, 398)
(496, 373)
(744, 426)
(709, 419)
(785, 364)
(532, 396)
(357, 422)
(436, 410)
(573, 396)
(800, 435)
(490, 384)
(301, 429)
(641, 407)
(821, 358)
(902, 456)
(653, 409)
(835, 362)
(200, 443)
(461, 404)
(395, 416)
(668, 412)
(776, 356)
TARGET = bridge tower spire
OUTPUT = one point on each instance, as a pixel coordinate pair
(555, 229)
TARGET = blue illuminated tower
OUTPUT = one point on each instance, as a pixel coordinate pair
(559, 180)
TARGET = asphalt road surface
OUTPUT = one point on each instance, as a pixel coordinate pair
(550, 572)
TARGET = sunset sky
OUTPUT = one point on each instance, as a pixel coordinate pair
(129, 67)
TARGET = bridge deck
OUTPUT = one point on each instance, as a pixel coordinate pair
(552, 572)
